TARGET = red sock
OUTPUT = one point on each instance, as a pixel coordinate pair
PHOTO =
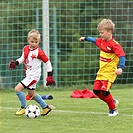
(100, 95)
(108, 99)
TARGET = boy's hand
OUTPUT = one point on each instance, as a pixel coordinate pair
(81, 39)
(118, 71)
(11, 65)
(50, 81)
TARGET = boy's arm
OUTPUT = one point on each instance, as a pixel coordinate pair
(49, 79)
(117, 49)
(45, 59)
(12, 64)
(21, 59)
(121, 65)
(122, 61)
(89, 39)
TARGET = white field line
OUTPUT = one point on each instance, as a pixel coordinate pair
(72, 112)
(94, 113)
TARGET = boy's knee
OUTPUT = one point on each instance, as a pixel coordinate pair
(105, 93)
(96, 92)
(16, 89)
(19, 87)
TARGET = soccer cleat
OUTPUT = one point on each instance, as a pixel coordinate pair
(47, 97)
(20, 111)
(46, 111)
(113, 112)
(116, 102)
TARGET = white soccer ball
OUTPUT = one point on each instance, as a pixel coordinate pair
(32, 111)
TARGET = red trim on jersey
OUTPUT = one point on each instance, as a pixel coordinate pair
(104, 59)
(26, 52)
(41, 55)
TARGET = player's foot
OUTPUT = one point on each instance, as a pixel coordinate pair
(113, 112)
(47, 97)
(46, 111)
(20, 111)
(116, 102)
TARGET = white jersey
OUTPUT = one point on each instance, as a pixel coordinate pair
(32, 59)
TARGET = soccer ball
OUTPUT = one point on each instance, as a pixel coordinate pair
(32, 111)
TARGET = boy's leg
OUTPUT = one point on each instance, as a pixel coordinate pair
(108, 98)
(43, 104)
(101, 89)
(22, 99)
(97, 89)
(111, 103)
(31, 85)
(39, 100)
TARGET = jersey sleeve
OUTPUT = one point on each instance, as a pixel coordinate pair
(42, 56)
(90, 39)
(122, 62)
(21, 59)
(98, 42)
(118, 50)
(48, 66)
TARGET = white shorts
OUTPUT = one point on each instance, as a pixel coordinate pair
(29, 82)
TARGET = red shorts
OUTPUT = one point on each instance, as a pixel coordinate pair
(102, 85)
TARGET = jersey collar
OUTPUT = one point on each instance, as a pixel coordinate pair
(33, 48)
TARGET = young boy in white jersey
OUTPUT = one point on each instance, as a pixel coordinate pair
(32, 57)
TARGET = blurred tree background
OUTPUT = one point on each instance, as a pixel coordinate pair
(77, 62)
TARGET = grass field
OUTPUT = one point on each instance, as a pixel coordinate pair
(70, 115)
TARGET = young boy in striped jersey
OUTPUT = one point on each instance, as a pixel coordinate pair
(112, 62)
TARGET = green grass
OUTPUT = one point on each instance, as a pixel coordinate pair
(70, 115)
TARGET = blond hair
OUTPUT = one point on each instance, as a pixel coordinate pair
(106, 24)
(34, 33)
